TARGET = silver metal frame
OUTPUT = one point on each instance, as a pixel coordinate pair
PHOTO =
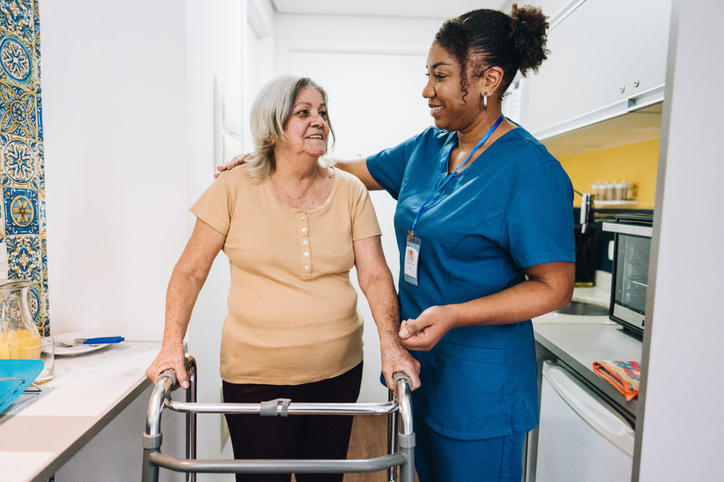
(401, 448)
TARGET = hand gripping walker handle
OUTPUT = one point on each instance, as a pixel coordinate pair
(397, 376)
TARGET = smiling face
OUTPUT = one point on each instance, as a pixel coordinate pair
(307, 129)
(444, 95)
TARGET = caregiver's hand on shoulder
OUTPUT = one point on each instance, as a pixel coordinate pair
(237, 161)
(423, 333)
(397, 359)
(169, 357)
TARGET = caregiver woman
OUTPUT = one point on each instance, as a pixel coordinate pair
(484, 225)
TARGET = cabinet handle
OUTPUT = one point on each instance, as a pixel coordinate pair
(636, 83)
(622, 88)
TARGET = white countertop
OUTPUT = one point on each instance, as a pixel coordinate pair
(39, 434)
(578, 341)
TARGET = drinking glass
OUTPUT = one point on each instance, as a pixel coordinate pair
(38, 349)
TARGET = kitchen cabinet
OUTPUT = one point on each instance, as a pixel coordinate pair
(607, 58)
(581, 437)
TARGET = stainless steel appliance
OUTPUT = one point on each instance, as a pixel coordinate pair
(632, 247)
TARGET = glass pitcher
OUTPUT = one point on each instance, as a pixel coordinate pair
(15, 320)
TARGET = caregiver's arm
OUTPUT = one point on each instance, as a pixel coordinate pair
(358, 168)
(549, 286)
(376, 283)
(188, 277)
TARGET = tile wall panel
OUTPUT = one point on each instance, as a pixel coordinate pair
(22, 190)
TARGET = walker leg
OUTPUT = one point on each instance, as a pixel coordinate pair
(149, 472)
(191, 417)
(407, 471)
(391, 438)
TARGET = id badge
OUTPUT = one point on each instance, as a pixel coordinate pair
(412, 256)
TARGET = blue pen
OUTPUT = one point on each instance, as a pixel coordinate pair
(99, 340)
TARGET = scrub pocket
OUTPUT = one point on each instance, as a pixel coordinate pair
(467, 392)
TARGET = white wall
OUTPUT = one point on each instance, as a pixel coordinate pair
(219, 42)
(683, 421)
(373, 70)
(214, 47)
(114, 113)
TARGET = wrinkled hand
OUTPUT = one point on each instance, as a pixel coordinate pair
(169, 357)
(237, 161)
(396, 359)
(423, 333)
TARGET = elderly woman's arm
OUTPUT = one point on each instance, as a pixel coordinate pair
(188, 277)
(376, 283)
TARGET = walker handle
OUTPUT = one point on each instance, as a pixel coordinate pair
(401, 376)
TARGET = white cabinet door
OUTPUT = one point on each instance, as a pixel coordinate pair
(600, 48)
(577, 433)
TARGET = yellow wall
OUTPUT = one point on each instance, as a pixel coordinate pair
(636, 163)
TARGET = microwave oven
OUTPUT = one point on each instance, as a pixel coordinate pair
(629, 277)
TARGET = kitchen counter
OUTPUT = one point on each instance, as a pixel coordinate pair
(39, 434)
(578, 346)
(578, 341)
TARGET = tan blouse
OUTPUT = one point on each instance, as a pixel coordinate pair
(292, 310)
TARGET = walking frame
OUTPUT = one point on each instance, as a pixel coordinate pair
(400, 453)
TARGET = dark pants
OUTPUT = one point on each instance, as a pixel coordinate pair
(295, 436)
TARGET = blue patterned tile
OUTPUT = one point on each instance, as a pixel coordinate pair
(21, 211)
(18, 17)
(19, 162)
(18, 111)
(17, 62)
(24, 257)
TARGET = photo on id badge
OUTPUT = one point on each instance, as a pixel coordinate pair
(412, 255)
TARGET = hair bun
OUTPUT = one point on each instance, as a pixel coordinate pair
(529, 35)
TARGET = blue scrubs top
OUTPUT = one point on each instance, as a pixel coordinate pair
(510, 209)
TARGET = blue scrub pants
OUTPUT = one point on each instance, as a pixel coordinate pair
(442, 459)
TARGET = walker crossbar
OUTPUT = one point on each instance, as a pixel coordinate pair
(400, 448)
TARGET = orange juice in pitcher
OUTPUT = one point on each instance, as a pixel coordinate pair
(15, 320)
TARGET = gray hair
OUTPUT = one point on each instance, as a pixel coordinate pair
(269, 114)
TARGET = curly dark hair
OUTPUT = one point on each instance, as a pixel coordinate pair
(484, 38)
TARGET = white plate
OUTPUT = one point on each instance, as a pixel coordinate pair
(78, 349)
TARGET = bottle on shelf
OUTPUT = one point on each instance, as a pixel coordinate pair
(627, 188)
(596, 191)
(619, 190)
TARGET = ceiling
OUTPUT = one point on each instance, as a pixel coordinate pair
(386, 8)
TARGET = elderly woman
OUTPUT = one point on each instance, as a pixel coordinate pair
(292, 229)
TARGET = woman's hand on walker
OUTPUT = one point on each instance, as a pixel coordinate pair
(397, 359)
(170, 357)
(423, 333)
(237, 161)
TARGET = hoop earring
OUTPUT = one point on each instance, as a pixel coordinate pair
(485, 101)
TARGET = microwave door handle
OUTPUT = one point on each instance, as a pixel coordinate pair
(592, 410)
(634, 230)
